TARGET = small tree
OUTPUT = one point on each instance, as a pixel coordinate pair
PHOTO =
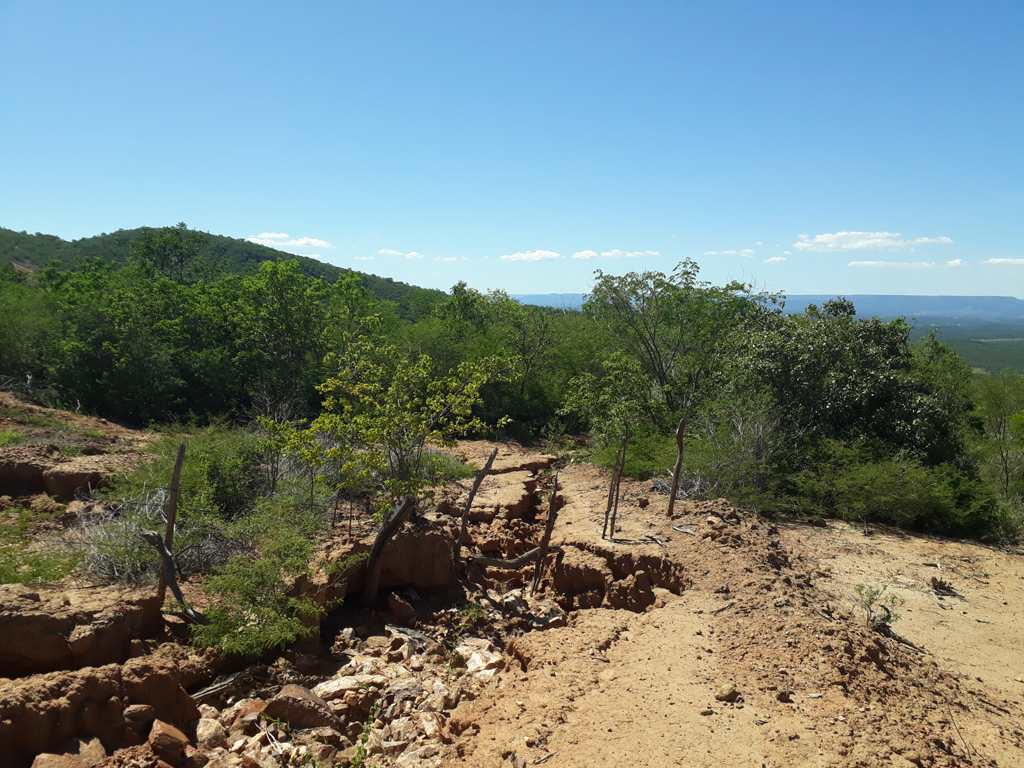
(384, 411)
(617, 406)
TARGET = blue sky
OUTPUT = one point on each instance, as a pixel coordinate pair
(816, 147)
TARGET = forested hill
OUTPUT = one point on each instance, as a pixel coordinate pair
(33, 252)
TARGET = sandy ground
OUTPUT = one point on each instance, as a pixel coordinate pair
(770, 612)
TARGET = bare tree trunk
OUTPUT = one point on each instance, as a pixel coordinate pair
(612, 496)
(677, 470)
(549, 525)
(172, 516)
(469, 503)
(618, 482)
(399, 514)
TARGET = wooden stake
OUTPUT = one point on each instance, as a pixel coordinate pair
(469, 503)
(677, 470)
(172, 516)
(549, 525)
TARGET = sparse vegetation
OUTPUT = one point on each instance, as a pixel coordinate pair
(877, 604)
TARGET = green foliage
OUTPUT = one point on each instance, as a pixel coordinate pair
(619, 404)
(874, 599)
(649, 454)
(359, 758)
(20, 561)
(254, 612)
(382, 413)
(673, 325)
(10, 437)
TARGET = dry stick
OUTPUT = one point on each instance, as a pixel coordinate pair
(399, 514)
(512, 565)
(611, 491)
(678, 468)
(548, 527)
(469, 503)
(172, 515)
(618, 483)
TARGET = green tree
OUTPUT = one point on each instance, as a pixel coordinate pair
(1000, 406)
(383, 413)
(675, 325)
(173, 252)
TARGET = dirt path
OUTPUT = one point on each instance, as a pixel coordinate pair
(767, 611)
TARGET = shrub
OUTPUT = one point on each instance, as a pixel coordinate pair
(254, 612)
(10, 437)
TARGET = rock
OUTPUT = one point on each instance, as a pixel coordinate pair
(90, 751)
(300, 708)
(139, 713)
(210, 733)
(167, 741)
(336, 688)
(727, 692)
(48, 760)
(400, 608)
(259, 760)
(433, 726)
(403, 730)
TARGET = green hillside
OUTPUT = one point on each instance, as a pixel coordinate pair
(236, 256)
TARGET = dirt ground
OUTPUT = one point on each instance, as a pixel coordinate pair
(765, 659)
(715, 637)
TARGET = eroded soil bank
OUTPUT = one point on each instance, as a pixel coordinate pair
(715, 638)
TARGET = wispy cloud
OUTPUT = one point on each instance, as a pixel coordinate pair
(954, 263)
(863, 241)
(616, 254)
(747, 252)
(281, 240)
(532, 256)
(446, 258)
(364, 258)
(585, 255)
(393, 252)
(907, 264)
(1003, 261)
(774, 259)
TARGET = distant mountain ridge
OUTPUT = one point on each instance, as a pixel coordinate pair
(867, 305)
(34, 252)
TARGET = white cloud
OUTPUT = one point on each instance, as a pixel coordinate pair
(863, 241)
(911, 264)
(446, 258)
(281, 240)
(774, 259)
(787, 253)
(364, 258)
(393, 252)
(616, 253)
(747, 252)
(585, 255)
(954, 263)
(758, 243)
(1003, 261)
(532, 256)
